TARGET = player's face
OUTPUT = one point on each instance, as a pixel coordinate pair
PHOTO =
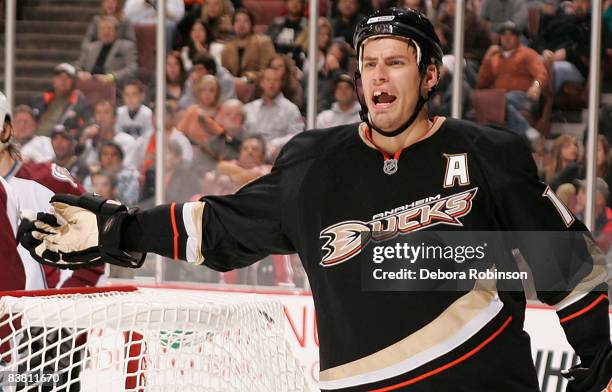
(390, 78)
(132, 97)
(24, 126)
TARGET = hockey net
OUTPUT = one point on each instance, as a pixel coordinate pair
(145, 340)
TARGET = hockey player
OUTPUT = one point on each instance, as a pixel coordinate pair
(329, 185)
(33, 185)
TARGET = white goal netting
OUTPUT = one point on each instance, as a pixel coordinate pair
(145, 340)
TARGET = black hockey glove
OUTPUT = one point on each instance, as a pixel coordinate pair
(84, 231)
(596, 378)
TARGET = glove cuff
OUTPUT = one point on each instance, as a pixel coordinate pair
(111, 216)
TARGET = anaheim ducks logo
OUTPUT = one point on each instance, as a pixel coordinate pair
(346, 239)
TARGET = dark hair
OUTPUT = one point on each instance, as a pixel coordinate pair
(207, 61)
(207, 41)
(136, 83)
(247, 13)
(183, 72)
(106, 102)
(261, 141)
(115, 145)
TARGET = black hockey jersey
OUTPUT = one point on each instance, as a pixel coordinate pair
(328, 185)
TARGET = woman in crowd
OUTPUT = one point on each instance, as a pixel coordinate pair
(290, 76)
(564, 152)
(198, 122)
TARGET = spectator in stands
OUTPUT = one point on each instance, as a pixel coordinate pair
(204, 64)
(248, 53)
(64, 147)
(346, 21)
(103, 129)
(216, 14)
(521, 72)
(64, 103)
(231, 175)
(110, 160)
(145, 12)
(290, 75)
(565, 42)
(476, 36)
(325, 31)
(273, 115)
(181, 181)
(134, 118)
(232, 119)
(33, 147)
(104, 184)
(346, 108)
(603, 214)
(176, 75)
(564, 152)
(419, 5)
(200, 42)
(142, 156)
(576, 170)
(125, 30)
(285, 30)
(198, 122)
(498, 12)
(334, 58)
(109, 59)
(366, 7)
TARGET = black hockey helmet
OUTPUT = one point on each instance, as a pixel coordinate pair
(408, 24)
(402, 23)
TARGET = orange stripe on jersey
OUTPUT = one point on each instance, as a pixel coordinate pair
(174, 231)
(584, 310)
(448, 365)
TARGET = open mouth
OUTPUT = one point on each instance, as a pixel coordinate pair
(382, 98)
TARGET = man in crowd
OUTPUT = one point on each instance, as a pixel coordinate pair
(109, 59)
(33, 147)
(63, 104)
(346, 108)
(521, 72)
(273, 115)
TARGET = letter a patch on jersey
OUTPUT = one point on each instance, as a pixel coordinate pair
(456, 170)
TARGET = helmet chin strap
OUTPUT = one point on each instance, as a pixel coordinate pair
(365, 117)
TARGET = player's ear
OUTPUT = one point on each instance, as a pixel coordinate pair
(432, 76)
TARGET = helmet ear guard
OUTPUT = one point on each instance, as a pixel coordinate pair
(5, 118)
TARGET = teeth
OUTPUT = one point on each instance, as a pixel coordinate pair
(377, 93)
